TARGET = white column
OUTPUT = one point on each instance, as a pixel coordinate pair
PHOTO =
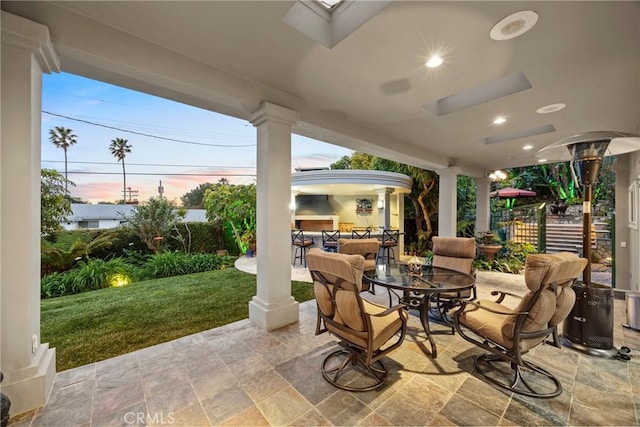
(483, 211)
(29, 366)
(273, 306)
(384, 196)
(622, 232)
(448, 202)
(293, 207)
(400, 200)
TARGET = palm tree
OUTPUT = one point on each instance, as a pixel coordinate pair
(63, 138)
(119, 148)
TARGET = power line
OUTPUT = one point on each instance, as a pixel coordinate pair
(160, 174)
(148, 164)
(182, 141)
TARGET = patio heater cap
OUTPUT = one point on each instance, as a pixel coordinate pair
(590, 145)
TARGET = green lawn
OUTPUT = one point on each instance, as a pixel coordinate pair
(97, 325)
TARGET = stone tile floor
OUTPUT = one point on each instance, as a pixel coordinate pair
(240, 375)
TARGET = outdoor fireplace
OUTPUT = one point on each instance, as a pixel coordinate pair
(315, 213)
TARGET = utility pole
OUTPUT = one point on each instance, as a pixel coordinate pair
(130, 193)
(160, 189)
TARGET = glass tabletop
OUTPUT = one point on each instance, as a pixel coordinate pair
(432, 279)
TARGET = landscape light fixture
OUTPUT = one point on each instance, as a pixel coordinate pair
(589, 326)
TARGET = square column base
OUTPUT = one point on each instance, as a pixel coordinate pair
(273, 316)
(29, 388)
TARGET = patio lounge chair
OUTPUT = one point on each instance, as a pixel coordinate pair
(508, 334)
(362, 328)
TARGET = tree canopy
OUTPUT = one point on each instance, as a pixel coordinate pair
(195, 198)
(119, 149)
(424, 192)
(63, 138)
(234, 205)
(153, 221)
(55, 207)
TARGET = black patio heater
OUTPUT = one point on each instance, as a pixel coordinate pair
(589, 326)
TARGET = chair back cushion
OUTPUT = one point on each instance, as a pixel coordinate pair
(368, 248)
(337, 285)
(550, 275)
(454, 253)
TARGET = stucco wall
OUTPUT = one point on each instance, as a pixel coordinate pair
(346, 209)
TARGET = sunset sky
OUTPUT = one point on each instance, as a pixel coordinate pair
(183, 146)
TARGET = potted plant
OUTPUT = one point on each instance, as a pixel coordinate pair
(248, 241)
(488, 245)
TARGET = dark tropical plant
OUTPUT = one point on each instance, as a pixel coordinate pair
(119, 148)
(60, 257)
(63, 138)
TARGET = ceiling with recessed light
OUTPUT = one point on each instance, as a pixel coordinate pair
(565, 68)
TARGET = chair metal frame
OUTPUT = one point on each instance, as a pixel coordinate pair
(331, 237)
(389, 242)
(298, 240)
(364, 234)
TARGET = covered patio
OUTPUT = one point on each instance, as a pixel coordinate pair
(242, 375)
(354, 76)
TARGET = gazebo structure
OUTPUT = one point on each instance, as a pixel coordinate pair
(344, 200)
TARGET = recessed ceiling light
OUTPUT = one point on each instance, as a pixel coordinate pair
(514, 25)
(542, 160)
(551, 108)
(499, 120)
(434, 61)
(527, 147)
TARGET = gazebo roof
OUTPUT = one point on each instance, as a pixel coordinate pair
(347, 181)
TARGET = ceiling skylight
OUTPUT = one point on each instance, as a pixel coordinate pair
(486, 92)
(329, 4)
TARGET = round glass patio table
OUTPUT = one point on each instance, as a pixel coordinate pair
(417, 290)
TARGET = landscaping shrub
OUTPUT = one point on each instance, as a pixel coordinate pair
(98, 274)
(206, 237)
(59, 255)
(165, 264)
(510, 258)
(169, 264)
(199, 263)
(88, 276)
(54, 285)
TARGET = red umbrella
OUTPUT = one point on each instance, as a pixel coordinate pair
(510, 193)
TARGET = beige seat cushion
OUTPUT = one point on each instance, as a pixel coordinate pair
(384, 327)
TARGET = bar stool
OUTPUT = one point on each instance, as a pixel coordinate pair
(364, 234)
(387, 246)
(330, 240)
(298, 240)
